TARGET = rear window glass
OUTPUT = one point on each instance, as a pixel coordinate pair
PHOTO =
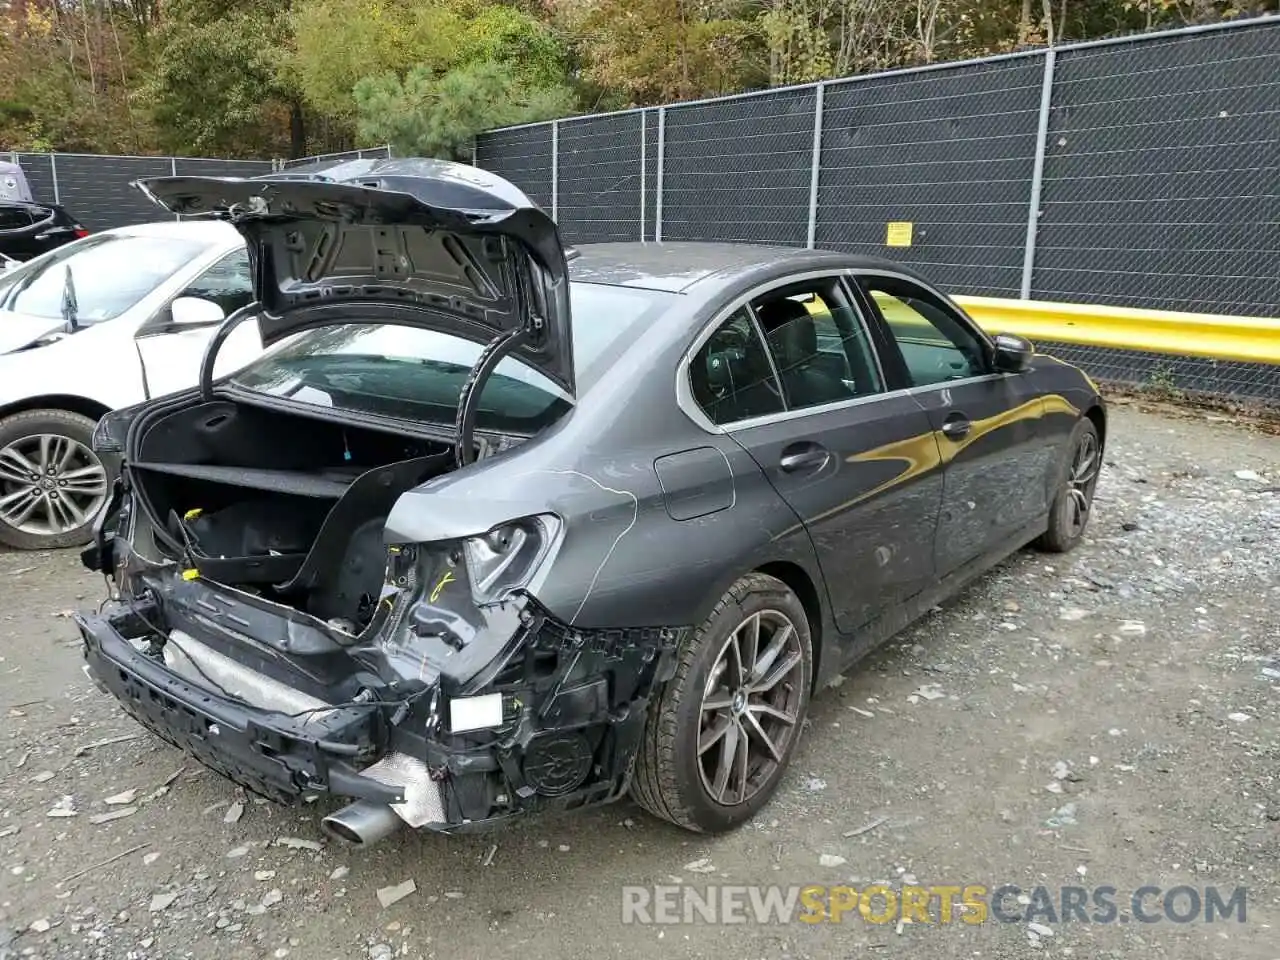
(417, 374)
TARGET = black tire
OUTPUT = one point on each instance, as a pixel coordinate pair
(58, 423)
(668, 780)
(1066, 529)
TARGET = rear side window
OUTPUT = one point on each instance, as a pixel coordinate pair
(14, 218)
(731, 377)
(818, 344)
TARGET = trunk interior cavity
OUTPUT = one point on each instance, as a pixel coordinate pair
(285, 506)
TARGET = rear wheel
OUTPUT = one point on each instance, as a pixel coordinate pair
(52, 484)
(1073, 502)
(722, 731)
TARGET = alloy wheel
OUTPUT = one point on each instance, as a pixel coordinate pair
(750, 707)
(50, 485)
(1080, 483)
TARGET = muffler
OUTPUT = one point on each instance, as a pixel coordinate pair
(362, 823)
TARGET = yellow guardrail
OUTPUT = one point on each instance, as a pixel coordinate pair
(1251, 339)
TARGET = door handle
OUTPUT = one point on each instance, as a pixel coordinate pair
(803, 456)
(956, 426)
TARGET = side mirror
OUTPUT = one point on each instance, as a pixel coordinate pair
(195, 312)
(1013, 353)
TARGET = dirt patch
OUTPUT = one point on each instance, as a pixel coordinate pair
(1107, 718)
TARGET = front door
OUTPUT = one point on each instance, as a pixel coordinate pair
(171, 354)
(988, 423)
(793, 377)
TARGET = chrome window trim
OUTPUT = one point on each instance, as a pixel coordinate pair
(859, 401)
(758, 327)
(684, 390)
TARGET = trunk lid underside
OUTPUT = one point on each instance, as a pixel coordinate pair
(467, 246)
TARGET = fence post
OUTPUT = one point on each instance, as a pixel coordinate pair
(662, 164)
(53, 170)
(555, 170)
(816, 165)
(643, 198)
(1037, 174)
(173, 171)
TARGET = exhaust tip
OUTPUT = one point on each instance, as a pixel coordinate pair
(335, 828)
(361, 823)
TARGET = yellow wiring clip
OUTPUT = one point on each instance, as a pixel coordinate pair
(190, 574)
(193, 513)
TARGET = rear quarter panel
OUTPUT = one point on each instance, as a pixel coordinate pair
(625, 559)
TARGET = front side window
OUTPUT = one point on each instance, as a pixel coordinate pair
(818, 344)
(936, 345)
(98, 278)
(227, 283)
(730, 377)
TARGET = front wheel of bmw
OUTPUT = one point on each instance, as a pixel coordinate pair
(1073, 501)
(722, 731)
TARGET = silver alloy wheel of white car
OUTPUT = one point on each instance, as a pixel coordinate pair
(50, 485)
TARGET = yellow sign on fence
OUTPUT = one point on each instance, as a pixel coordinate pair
(898, 233)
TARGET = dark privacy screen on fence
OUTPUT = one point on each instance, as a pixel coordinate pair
(1160, 170)
(600, 161)
(523, 156)
(950, 150)
(1162, 175)
(739, 169)
(98, 191)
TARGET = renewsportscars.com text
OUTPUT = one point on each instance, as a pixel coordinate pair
(973, 903)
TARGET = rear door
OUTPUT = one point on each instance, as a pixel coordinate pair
(791, 374)
(989, 424)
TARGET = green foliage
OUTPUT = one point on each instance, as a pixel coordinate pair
(276, 77)
(341, 42)
(218, 84)
(426, 115)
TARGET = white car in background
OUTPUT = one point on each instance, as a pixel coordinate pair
(105, 322)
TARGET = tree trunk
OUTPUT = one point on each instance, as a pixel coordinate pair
(297, 131)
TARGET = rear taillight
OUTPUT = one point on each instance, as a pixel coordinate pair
(81, 232)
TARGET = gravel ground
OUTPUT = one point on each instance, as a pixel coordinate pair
(1111, 717)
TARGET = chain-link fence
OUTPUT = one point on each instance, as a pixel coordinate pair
(96, 189)
(1140, 171)
(369, 153)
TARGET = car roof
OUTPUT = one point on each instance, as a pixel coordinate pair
(677, 266)
(208, 231)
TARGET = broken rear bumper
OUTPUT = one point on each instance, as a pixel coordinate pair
(276, 756)
(574, 707)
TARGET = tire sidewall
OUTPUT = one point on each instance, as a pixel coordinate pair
(63, 423)
(711, 816)
(1060, 525)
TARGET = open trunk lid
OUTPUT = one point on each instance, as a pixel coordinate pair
(470, 248)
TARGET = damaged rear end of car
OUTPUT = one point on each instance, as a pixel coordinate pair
(288, 603)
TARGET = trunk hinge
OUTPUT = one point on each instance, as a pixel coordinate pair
(469, 397)
(216, 342)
